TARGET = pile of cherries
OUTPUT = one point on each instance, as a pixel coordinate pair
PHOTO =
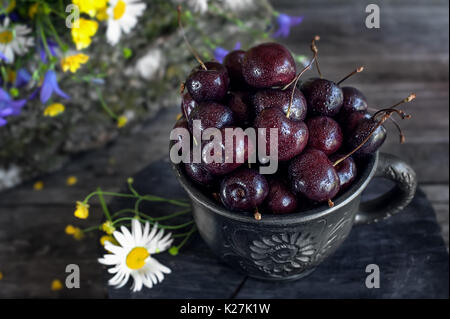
(324, 130)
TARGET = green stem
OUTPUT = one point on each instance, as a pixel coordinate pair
(153, 198)
(105, 106)
(89, 229)
(132, 189)
(103, 204)
(151, 222)
(119, 212)
(44, 40)
(55, 34)
(188, 235)
(108, 194)
(136, 207)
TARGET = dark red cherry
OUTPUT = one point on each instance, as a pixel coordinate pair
(233, 62)
(281, 99)
(187, 104)
(181, 123)
(324, 97)
(231, 159)
(361, 132)
(346, 170)
(243, 190)
(211, 114)
(312, 175)
(268, 65)
(354, 100)
(292, 135)
(208, 85)
(351, 120)
(238, 102)
(280, 199)
(325, 134)
(198, 172)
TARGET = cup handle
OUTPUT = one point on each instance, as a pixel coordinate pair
(397, 198)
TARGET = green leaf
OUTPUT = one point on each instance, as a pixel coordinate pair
(127, 53)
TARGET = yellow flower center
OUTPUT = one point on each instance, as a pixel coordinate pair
(6, 37)
(119, 10)
(136, 258)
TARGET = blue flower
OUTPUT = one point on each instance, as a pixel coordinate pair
(221, 53)
(50, 86)
(22, 78)
(3, 57)
(285, 23)
(9, 107)
(52, 46)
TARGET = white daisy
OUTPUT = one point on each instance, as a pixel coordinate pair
(237, 5)
(133, 256)
(199, 6)
(13, 40)
(122, 17)
(148, 65)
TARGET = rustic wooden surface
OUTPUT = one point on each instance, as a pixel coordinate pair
(409, 53)
(408, 249)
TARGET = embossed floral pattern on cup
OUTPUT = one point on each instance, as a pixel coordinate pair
(283, 254)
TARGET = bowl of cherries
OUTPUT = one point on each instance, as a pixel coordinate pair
(281, 225)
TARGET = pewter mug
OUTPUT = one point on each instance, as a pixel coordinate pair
(289, 247)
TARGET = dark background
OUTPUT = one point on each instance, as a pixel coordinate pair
(409, 53)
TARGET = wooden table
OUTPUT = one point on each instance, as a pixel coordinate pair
(409, 53)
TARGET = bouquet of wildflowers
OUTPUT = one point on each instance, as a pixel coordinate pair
(73, 74)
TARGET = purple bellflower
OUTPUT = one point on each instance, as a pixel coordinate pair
(285, 22)
(221, 53)
(8, 106)
(50, 86)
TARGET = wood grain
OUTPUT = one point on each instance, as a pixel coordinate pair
(409, 53)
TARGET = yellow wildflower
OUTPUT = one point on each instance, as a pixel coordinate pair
(54, 109)
(76, 232)
(82, 210)
(73, 62)
(109, 238)
(70, 230)
(38, 185)
(91, 7)
(56, 285)
(32, 10)
(102, 14)
(81, 36)
(78, 235)
(71, 180)
(108, 227)
(122, 121)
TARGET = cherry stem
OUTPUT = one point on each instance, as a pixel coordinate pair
(191, 49)
(330, 203)
(257, 214)
(358, 70)
(295, 80)
(402, 136)
(315, 51)
(388, 113)
(182, 87)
